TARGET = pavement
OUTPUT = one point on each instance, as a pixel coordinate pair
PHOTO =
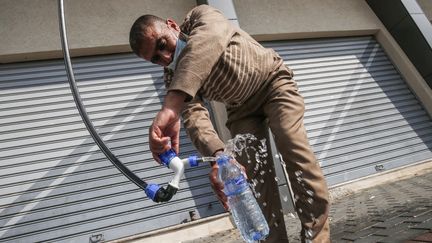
(398, 211)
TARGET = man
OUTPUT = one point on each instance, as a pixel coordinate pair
(207, 57)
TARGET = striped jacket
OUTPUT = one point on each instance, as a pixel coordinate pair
(220, 62)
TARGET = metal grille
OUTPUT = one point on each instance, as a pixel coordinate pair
(360, 115)
(55, 184)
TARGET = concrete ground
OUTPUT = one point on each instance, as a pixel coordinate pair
(397, 211)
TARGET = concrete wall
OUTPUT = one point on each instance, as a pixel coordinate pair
(29, 28)
(426, 6)
(291, 19)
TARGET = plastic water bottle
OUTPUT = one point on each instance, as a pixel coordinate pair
(246, 213)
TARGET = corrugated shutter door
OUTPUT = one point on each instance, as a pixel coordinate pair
(55, 184)
(360, 115)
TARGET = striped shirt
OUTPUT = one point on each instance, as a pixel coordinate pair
(220, 61)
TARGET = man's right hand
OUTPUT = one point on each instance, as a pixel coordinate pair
(218, 186)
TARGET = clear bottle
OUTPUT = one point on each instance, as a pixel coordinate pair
(246, 213)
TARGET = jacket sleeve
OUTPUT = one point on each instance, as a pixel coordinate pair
(200, 129)
(209, 33)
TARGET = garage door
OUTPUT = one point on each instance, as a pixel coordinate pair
(361, 117)
(55, 184)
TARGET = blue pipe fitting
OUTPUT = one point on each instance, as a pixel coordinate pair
(167, 156)
(193, 161)
(151, 191)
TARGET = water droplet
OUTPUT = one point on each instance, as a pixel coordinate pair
(262, 172)
(310, 200)
(258, 195)
(300, 210)
(309, 233)
(312, 216)
(264, 204)
(262, 180)
(256, 167)
(298, 173)
(273, 215)
(276, 224)
(310, 193)
(292, 215)
(276, 178)
(254, 181)
(270, 170)
(285, 198)
(372, 197)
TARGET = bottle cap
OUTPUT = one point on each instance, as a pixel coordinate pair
(257, 236)
(222, 159)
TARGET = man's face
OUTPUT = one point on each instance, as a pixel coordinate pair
(159, 43)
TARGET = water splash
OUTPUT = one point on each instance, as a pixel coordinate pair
(244, 143)
(308, 235)
(248, 145)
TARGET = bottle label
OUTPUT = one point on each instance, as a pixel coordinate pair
(235, 186)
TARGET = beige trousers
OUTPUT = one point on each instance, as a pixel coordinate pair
(278, 105)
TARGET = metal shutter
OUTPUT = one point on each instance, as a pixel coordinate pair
(55, 184)
(360, 115)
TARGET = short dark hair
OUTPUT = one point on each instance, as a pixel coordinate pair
(138, 29)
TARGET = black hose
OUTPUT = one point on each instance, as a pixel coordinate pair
(82, 111)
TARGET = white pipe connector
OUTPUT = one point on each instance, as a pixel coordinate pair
(178, 166)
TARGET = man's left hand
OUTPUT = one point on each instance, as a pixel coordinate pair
(166, 125)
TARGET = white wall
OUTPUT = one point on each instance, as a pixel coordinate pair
(305, 18)
(29, 28)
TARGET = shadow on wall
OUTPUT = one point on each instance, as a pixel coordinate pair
(69, 190)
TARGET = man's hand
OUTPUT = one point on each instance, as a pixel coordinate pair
(166, 125)
(217, 185)
(165, 129)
